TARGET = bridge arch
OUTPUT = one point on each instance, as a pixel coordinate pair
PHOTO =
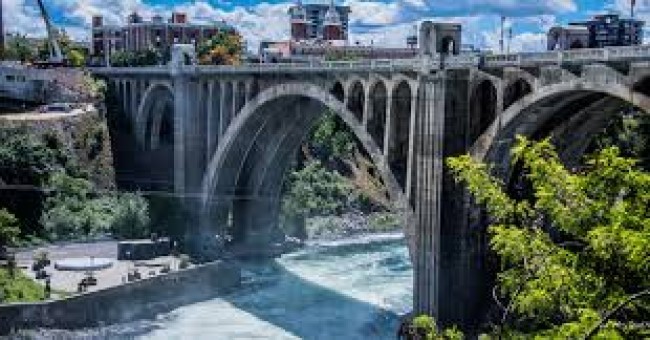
(377, 112)
(357, 99)
(147, 109)
(154, 131)
(338, 91)
(228, 102)
(515, 91)
(240, 95)
(483, 107)
(246, 172)
(448, 45)
(643, 85)
(577, 107)
(400, 131)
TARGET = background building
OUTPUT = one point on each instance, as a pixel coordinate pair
(309, 22)
(600, 31)
(433, 38)
(158, 34)
(567, 37)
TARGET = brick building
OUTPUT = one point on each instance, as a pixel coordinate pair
(318, 22)
(138, 34)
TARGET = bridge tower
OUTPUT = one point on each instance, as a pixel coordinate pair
(440, 38)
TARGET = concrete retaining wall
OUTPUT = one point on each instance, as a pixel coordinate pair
(131, 301)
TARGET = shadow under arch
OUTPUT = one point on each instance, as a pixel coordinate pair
(149, 107)
(245, 174)
(356, 99)
(559, 111)
(483, 107)
(515, 91)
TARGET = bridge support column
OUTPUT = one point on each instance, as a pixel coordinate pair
(189, 165)
(214, 115)
(388, 123)
(410, 168)
(428, 162)
(367, 107)
(227, 104)
(133, 108)
(449, 274)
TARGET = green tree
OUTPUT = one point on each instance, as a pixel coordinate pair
(76, 58)
(148, 57)
(575, 254)
(26, 159)
(631, 133)
(26, 163)
(131, 219)
(17, 287)
(19, 48)
(332, 137)
(74, 210)
(315, 191)
(9, 229)
(75, 54)
(225, 48)
(68, 214)
(120, 59)
(424, 327)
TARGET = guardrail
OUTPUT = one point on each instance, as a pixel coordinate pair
(609, 54)
(457, 61)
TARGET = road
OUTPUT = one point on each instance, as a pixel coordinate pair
(39, 116)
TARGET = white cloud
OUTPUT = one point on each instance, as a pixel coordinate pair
(372, 13)
(19, 17)
(511, 8)
(384, 23)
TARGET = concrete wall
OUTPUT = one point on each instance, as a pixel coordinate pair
(136, 300)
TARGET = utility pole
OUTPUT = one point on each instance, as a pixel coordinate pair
(501, 41)
(632, 5)
(509, 39)
(2, 35)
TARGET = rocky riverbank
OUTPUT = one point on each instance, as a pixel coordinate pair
(352, 224)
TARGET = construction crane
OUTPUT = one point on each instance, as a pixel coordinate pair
(56, 56)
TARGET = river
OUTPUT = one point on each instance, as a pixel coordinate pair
(349, 289)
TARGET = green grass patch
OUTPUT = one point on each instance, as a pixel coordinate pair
(19, 288)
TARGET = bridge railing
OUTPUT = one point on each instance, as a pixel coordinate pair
(631, 52)
(628, 53)
(566, 57)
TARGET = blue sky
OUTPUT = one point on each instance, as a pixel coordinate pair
(385, 22)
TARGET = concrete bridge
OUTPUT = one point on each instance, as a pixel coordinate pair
(230, 133)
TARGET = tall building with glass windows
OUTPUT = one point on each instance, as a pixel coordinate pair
(613, 30)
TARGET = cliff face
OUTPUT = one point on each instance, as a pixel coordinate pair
(84, 137)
